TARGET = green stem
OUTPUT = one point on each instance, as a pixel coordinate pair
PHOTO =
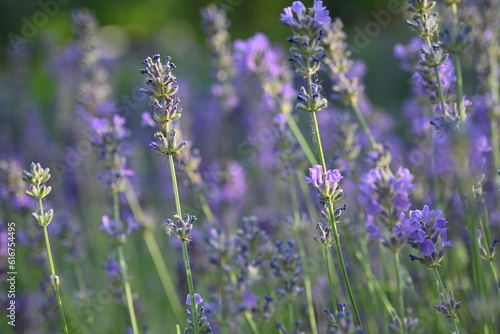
(251, 322)
(400, 292)
(206, 209)
(302, 252)
(372, 280)
(189, 277)
(311, 209)
(442, 290)
(330, 280)
(364, 125)
(128, 291)
(290, 315)
(318, 140)
(331, 212)
(123, 270)
(301, 140)
(458, 66)
(185, 255)
(174, 186)
(79, 278)
(163, 273)
(361, 119)
(54, 279)
(495, 276)
(154, 251)
(438, 77)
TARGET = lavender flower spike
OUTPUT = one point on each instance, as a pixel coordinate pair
(308, 29)
(326, 183)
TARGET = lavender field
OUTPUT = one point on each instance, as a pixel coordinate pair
(339, 178)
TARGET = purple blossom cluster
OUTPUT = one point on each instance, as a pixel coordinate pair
(386, 196)
(326, 183)
(428, 234)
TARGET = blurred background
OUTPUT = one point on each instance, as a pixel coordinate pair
(39, 81)
(133, 29)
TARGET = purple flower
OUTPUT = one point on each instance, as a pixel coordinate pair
(321, 14)
(249, 300)
(393, 238)
(117, 230)
(197, 299)
(325, 183)
(112, 267)
(385, 195)
(429, 235)
(298, 8)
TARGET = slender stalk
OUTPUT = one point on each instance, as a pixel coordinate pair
(400, 292)
(495, 276)
(163, 273)
(302, 252)
(458, 66)
(189, 277)
(154, 251)
(331, 211)
(372, 281)
(79, 278)
(301, 140)
(123, 270)
(326, 256)
(361, 119)
(438, 77)
(442, 290)
(128, 291)
(290, 315)
(251, 322)
(311, 209)
(54, 279)
(185, 254)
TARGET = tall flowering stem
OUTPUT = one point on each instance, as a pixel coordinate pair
(123, 268)
(339, 63)
(307, 54)
(37, 176)
(307, 279)
(165, 109)
(154, 250)
(424, 24)
(268, 64)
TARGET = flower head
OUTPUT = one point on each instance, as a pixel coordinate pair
(326, 183)
(308, 29)
(428, 234)
(385, 195)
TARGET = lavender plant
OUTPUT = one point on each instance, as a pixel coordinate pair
(37, 177)
(165, 108)
(307, 54)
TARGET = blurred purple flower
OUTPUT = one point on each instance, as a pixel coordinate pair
(197, 299)
(385, 195)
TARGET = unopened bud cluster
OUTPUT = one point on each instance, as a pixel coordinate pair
(181, 227)
(37, 176)
(448, 307)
